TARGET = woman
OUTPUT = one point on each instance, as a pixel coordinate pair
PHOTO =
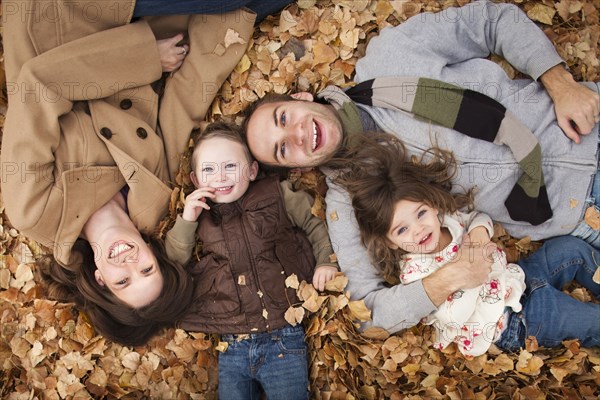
(88, 153)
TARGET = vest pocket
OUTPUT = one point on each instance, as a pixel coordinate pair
(216, 292)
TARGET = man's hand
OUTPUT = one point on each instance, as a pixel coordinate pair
(195, 202)
(322, 275)
(470, 268)
(171, 55)
(577, 108)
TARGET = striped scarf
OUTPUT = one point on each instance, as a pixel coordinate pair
(475, 115)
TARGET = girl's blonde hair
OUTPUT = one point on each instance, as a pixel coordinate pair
(378, 173)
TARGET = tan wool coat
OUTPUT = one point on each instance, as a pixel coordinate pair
(83, 118)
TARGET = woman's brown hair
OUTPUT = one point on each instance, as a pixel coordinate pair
(111, 317)
(377, 173)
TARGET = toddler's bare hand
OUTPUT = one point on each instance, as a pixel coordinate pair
(195, 202)
(322, 275)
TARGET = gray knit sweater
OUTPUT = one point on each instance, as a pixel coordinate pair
(449, 46)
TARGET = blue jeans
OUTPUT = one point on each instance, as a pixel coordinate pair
(583, 230)
(262, 8)
(275, 362)
(549, 314)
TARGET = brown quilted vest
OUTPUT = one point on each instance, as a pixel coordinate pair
(249, 248)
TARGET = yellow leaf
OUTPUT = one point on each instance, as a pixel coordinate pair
(232, 37)
(411, 369)
(4, 278)
(23, 274)
(98, 377)
(375, 333)
(324, 54)
(354, 5)
(264, 62)
(389, 365)
(567, 7)
(529, 364)
(222, 347)
(292, 281)
(36, 354)
(430, 381)
(559, 373)
(359, 310)
(313, 303)
(304, 4)
(243, 65)
(573, 203)
(338, 283)
(542, 13)
(524, 244)
(294, 315)
(19, 346)
(131, 360)
(592, 218)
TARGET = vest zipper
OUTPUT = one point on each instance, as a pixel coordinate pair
(254, 273)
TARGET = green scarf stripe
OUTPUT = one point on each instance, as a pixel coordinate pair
(437, 101)
(532, 179)
(351, 123)
(470, 113)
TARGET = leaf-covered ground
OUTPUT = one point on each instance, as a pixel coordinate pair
(48, 350)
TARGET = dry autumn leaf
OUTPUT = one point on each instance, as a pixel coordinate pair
(592, 218)
(308, 46)
(337, 284)
(294, 315)
(292, 281)
(542, 13)
(529, 364)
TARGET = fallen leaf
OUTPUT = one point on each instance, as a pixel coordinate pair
(529, 364)
(232, 37)
(337, 284)
(592, 218)
(359, 311)
(573, 203)
(131, 360)
(542, 13)
(294, 315)
(292, 281)
(222, 347)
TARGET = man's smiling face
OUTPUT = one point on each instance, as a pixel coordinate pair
(294, 134)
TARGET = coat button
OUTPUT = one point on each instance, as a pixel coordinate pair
(126, 104)
(141, 132)
(107, 133)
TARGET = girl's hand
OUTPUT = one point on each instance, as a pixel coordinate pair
(171, 55)
(322, 275)
(480, 237)
(195, 202)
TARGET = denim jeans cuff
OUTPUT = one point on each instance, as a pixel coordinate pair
(513, 337)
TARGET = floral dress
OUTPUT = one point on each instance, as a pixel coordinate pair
(472, 318)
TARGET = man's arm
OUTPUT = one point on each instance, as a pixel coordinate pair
(458, 34)
(400, 306)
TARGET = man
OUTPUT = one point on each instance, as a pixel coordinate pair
(447, 46)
